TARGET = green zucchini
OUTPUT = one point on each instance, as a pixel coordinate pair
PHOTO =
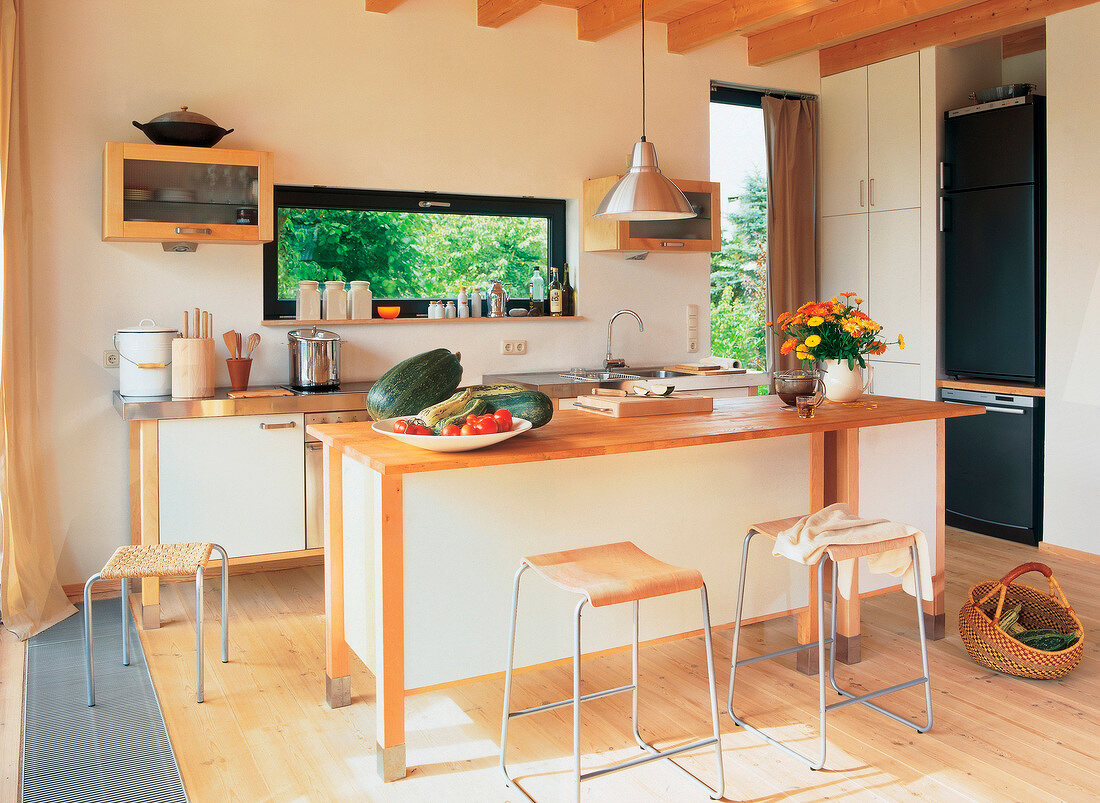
(434, 415)
(474, 406)
(413, 384)
(535, 406)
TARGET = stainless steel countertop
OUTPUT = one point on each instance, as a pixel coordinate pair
(553, 385)
(350, 396)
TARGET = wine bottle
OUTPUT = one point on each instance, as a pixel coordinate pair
(568, 299)
(555, 294)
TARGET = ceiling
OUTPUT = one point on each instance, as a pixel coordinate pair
(846, 33)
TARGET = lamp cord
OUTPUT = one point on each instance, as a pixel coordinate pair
(643, 70)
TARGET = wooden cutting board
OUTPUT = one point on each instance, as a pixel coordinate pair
(257, 394)
(627, 406)
(695, 370)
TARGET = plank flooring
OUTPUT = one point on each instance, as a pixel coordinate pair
(264, 732)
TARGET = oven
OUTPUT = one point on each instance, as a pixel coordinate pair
(315, 477)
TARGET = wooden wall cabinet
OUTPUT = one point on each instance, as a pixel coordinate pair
(701, 233)
(167, 193)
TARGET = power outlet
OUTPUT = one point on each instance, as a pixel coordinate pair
(513, 347)
(110, 358)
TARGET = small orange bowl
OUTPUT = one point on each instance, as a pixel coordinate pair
(389, 312)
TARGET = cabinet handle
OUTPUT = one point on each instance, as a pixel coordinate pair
(312, 446)
(672, 245)
(871, 193)
(861, 193)
(944, 211)
(186, 230)
(284, 425)
(943, 175)
(1009, 410)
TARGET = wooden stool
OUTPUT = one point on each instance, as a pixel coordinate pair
(609, 575)
(771, 529)
(157, 560)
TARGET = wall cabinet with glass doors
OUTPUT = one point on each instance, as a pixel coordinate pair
(166, 193)
(700, 233)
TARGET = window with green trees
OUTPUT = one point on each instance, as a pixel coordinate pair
(411, 247)
(739, 272)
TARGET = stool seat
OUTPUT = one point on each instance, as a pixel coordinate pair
(772, 529)
(613, 573)
(156, 560)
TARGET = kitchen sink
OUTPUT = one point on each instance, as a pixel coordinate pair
(584, 375)
(655, 373)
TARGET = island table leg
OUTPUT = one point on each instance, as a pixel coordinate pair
(389, 626)
(842, 459)
(337, 673)
(145, 495)
(935, 612)
(806, 660)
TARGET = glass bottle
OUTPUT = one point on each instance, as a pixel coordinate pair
(497, 301)
(568, 299)
(555, 294)
(451, 311)
(335, 302)
(307, 304)
(360, 300)
(463, 303)
(475, 303)
(538, 291)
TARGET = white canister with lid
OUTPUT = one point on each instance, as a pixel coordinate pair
(145, 357)
(360, 300)
(335, 303)
(307, 306)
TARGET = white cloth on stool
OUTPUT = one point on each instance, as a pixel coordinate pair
(807, 541)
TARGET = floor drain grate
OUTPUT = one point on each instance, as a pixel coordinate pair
(117, 750)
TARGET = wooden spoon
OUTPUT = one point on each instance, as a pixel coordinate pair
(230, 339)
(253, 341)
(239, 336)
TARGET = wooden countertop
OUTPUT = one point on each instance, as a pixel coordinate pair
(577, 434)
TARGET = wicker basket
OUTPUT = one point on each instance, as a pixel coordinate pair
(992, 647)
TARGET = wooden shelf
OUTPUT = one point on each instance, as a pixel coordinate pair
(985, 386)
(433, 321)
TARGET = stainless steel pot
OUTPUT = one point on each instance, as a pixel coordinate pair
(314, 358)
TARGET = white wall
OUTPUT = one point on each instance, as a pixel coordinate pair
(1073, 281)
(418, 99)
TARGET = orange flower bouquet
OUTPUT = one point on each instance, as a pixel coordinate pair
(831, 330)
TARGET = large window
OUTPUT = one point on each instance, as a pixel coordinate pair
(738, 276)
(411, 247)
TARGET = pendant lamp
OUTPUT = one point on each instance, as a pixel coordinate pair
(644, 193)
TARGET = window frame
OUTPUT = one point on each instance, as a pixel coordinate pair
(322, 197)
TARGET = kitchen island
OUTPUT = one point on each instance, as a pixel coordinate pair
(421, 547)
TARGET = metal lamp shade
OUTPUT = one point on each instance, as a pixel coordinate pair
(644, 193)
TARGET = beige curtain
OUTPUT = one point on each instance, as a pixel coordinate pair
(31, 598)
(790, 136)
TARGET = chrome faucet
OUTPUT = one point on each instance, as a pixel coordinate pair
(619, 362)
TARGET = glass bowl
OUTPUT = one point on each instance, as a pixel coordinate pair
(389, 312)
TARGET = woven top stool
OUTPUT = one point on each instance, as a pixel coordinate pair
(157, 560)
(611, 574)
(837, 552)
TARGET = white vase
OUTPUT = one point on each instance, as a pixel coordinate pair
(844, 384)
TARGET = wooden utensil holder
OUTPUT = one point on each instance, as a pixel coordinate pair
(192, 368)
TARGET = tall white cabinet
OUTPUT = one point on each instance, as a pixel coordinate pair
(869, 206)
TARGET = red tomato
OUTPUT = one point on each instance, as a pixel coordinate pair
(468, 429)
(452, 429)
(400, 425)
(504, 420)
(472, 419)
(418, 429)
(487, 426)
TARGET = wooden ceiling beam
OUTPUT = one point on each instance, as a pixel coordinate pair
(598, 19)
(382, 6)
(956, 28)
(731, 17)
(841, 22)
(1021, 43)
(494, 13)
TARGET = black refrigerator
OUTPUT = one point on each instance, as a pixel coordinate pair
(993, 219)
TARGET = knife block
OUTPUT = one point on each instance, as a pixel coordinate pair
(192, 368)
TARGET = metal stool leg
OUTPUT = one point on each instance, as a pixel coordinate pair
(198, 636)
(507, 713)
(125, 621)
(577, 699)
(89, 672)
(225, 601)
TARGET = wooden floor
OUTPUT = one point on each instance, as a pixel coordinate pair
(265, 734)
